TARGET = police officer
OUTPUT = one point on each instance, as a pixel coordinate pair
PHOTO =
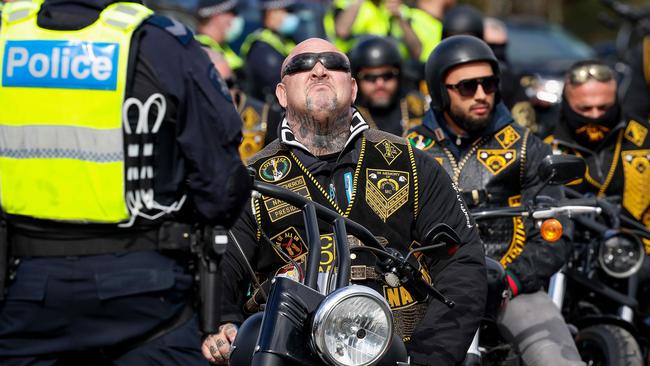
(494, 163)
(219, 24)
(615, 147)
(133, 139)
(259, 120)
(326, 151)
(383, 100)
(350, 19)
(264, 49)
(426, 20)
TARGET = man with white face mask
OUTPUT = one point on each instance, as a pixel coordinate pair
(265, 49)
(218, 25)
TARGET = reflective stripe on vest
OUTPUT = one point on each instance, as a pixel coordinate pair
(370, 20)
(234, 61)
(61, 142)
(267, 36)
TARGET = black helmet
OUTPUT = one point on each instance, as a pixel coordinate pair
(374, 51)
(463, 19)
(453, 51)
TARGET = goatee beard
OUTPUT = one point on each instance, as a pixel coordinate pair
(473, 126)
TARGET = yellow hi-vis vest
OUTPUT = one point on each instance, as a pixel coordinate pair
(61, 94)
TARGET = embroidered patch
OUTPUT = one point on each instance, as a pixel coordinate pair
(496, 160)
(398, 297)
(636, 191)
(279, 209)
(420, 141)
(290, 243)
(250, 117)
(636, 133)
(594, 132)
(507, 137)
(386, 191)
(388, 150)
(275, 169)
(440, 161)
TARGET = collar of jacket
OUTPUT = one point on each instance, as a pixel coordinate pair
(434, 121)
(357, 126)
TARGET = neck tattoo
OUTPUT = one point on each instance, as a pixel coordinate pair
(321, 137)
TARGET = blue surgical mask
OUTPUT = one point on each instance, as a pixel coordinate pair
(289, 24)
(236, 29)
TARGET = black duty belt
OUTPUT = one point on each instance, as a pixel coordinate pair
(168, 236)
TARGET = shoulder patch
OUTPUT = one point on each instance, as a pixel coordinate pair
(420, 142)
(636, 133)
(179, 30)
(507, 136)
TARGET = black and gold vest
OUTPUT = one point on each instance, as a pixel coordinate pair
(384, 199)
(490, 174)
(625, 169)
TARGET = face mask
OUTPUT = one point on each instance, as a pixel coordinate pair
(586, 130)
(289, 24)
(236, 29)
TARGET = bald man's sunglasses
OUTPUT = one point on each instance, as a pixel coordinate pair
(582, 74)
(306, 61)
(467, 88)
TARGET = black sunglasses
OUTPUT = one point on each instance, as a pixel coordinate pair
(388, 75)
(306, 61)
(467, 88)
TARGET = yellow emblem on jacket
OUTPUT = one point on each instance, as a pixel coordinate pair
(496, 160)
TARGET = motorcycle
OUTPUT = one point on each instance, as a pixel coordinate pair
(488, 347)
(597, 288)
(347, 325)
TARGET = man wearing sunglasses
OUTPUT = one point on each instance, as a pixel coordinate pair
(494, 163)
(327, 151)
(382, 99)
(615, 147)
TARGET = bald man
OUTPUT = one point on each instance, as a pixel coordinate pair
(327, 152)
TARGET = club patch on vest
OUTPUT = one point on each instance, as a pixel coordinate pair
(419, 141)
(636, 133)
(496, 160)
(507, 137)
(386, 191)
(636, 192)
(279, 209)
(290, 243)
(388, 150)
(397, 297)
(275, 169)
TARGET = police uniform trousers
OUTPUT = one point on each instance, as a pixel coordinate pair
(77, 310)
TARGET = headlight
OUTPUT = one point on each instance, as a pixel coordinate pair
(621, 255)
(352, 326)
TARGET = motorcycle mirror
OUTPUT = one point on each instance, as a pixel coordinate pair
(561, 169)
(440, 242)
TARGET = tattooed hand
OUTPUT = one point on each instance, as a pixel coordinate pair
(216, 347)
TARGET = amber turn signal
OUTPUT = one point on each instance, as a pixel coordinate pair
(551, 230)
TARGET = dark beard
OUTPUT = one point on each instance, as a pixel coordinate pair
(473, 126)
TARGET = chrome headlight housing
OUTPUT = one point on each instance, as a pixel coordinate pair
(621, 255)
(352, 326)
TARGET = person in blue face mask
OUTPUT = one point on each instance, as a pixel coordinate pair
(265, 49)
(219, 24)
